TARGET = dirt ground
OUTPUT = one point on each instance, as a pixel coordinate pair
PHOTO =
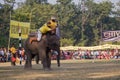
(69, 70)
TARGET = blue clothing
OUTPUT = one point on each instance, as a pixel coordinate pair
(58, 32)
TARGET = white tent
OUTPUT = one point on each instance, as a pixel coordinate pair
(100, 47)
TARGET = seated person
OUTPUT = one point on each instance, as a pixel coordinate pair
(49, 26)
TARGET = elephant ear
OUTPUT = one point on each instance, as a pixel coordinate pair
(53, 41)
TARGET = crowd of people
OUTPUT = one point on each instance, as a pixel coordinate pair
(91, 54)
(4, 54)
(12, 55)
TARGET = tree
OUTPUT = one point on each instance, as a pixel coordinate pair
(5, 10)
(79, 25)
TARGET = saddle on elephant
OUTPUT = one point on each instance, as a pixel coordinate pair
(50, 26)
(34, 37)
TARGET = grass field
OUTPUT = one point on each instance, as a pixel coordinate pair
(69, 70)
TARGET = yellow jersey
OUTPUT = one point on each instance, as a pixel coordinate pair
(13, 50)
(52, 25)
(44, 29)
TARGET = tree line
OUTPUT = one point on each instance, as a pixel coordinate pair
(80, 24)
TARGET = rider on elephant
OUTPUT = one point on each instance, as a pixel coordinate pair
(49, 26)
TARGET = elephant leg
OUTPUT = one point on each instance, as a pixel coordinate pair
(58, 57)
(58, 61)
(42, 54)
(44, 62)
(37, 59)
(49, 60)
(28, 63)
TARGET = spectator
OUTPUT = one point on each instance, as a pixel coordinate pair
(13, 54)
(8, 54)
(2, 57)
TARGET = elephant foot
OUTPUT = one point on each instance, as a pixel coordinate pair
(47, 69)
(27, 67)
(58, 65)
(37, 62)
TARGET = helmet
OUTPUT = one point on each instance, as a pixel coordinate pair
(53, 17)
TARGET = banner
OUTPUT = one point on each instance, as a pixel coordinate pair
(111, 35)
(15, 26)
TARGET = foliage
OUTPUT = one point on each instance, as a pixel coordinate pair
(79, 24)
(5, 10)
(66, 42)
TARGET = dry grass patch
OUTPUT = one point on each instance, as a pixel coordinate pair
(69, 70)
(104, 75)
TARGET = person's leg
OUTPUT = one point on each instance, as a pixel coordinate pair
(20, 60)
(55, 52)
(39, 36)
(32, 39)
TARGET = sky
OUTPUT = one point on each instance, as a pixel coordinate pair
(76, 1)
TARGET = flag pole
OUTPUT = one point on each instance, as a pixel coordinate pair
(9, 33)
(20, 33)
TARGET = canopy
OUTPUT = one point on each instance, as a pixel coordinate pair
(100, 47)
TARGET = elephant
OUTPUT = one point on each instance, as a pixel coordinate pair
(42, 50)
